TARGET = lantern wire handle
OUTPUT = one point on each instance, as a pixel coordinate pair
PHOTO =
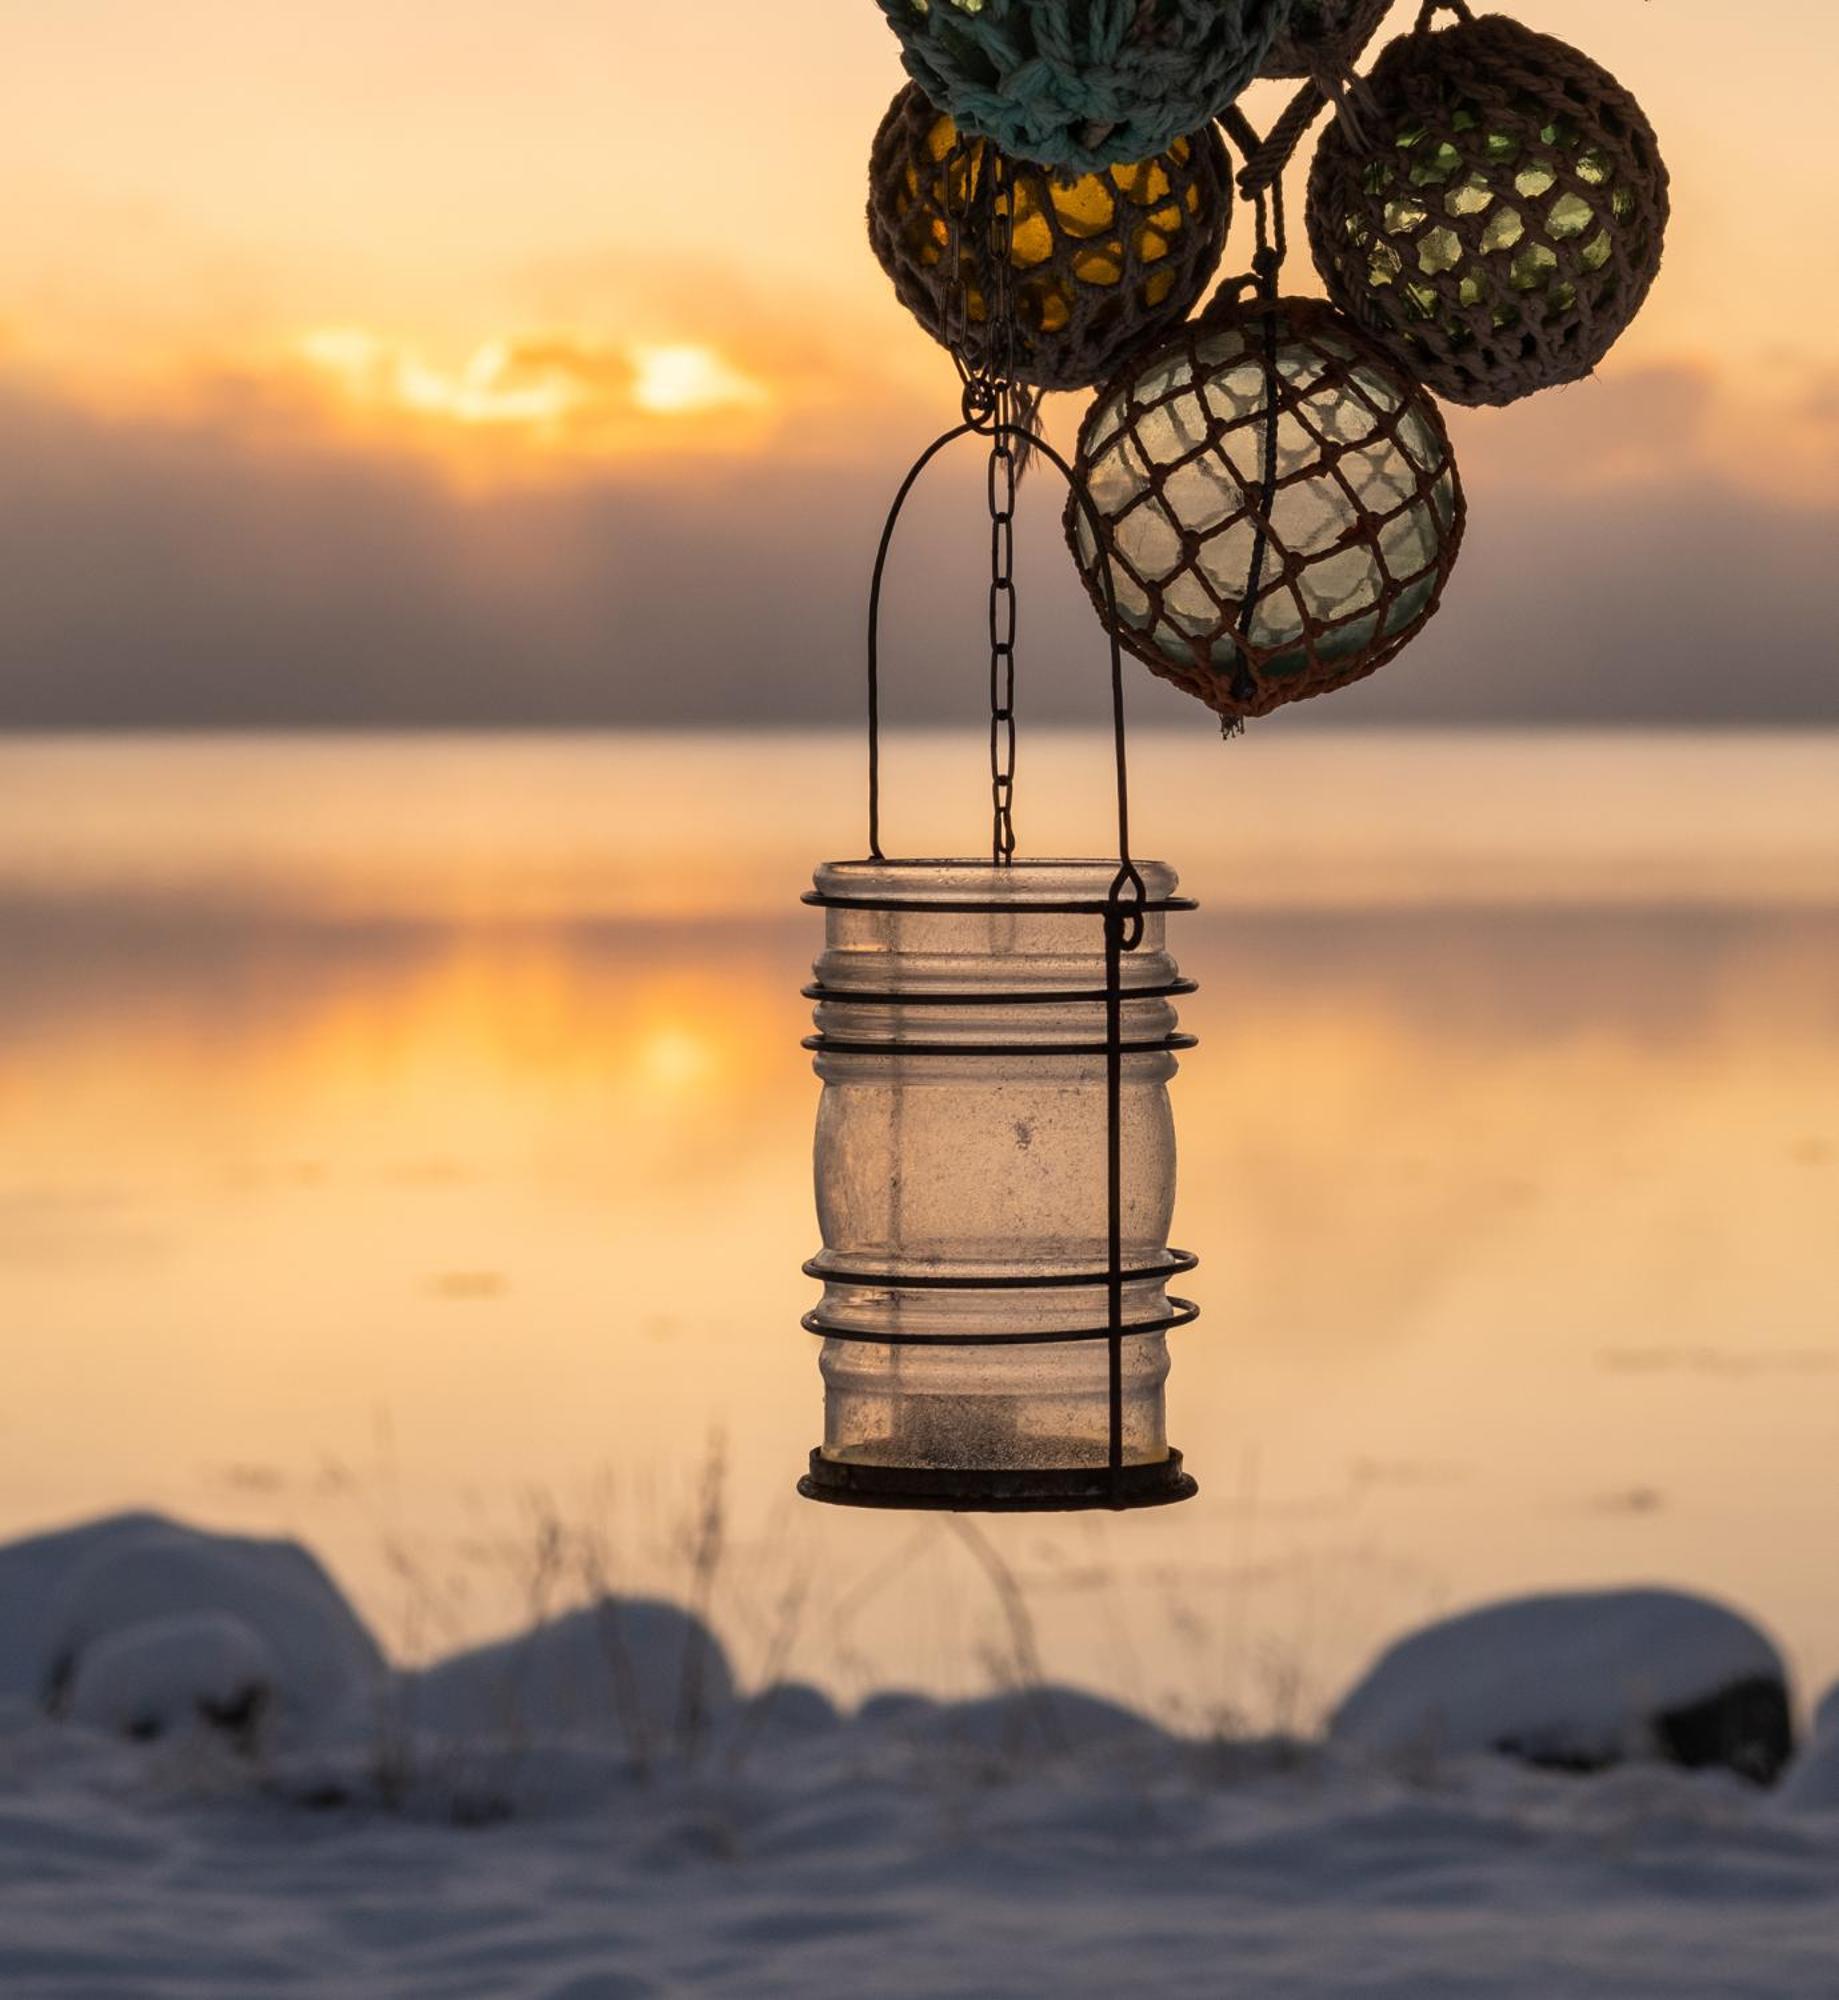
(981, 420)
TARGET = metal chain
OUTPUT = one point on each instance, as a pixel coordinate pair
(1000, 493)
(979, 199)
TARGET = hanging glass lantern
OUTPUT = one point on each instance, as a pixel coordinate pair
(963, 1154)
(995, 1159)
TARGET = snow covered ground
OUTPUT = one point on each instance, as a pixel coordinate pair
(247, 1804)
(861, 1862)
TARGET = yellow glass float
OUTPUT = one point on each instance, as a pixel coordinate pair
(1099, 264)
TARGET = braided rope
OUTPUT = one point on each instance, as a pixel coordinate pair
(1267, 547)
(1323, 34)
(1099, 265)
(1329, 38)
(1083, 84)
(1505, 220)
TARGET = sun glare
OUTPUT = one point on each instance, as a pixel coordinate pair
(673, 1060)
(562, 392)
(682, 380)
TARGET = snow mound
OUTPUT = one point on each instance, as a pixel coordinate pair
(636, 1673)
(1580, 1681)
(171, 1676)
(97, 1586)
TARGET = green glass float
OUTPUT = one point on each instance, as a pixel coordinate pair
(1501, 220)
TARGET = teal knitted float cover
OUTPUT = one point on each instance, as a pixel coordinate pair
(1084, 84)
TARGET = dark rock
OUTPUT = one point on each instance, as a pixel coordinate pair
(1747, 1727)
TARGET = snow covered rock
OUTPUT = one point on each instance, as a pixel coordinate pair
(786, 1709)
(784, 1717)
(199, 1672)
(33, 1571)
(322, 1669)
(1027, 1722)
(896, 1708)
(1049, 1720)
(1826, 1716)
(636, 1673)
(1579, 1682)
(1812, 1783)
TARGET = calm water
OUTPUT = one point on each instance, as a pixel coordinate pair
(407, 1140)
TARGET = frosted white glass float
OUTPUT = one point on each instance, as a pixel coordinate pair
(995, 1169)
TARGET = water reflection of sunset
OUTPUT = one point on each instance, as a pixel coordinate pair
(501, 574)
(1508, 1211)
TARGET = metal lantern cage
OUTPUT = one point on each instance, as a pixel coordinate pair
(995, 1152)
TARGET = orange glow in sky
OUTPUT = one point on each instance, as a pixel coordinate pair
(560, 392)
(672, 381)
(572, 231)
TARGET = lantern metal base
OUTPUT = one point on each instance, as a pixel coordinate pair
(966, 1490)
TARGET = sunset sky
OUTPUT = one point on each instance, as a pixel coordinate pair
(509, 363)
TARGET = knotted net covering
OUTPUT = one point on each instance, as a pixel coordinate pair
(1083, 84)
(1101, 264)
(1505, 220)
(1265, 546)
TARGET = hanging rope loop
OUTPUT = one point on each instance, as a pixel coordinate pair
(1332, 79)
(1267, 267)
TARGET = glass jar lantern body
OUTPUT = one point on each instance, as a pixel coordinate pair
(963, 1164)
